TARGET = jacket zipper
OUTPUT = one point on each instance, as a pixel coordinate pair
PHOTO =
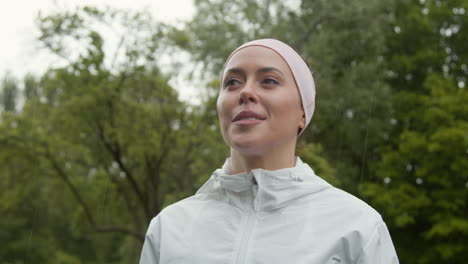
(246, 235)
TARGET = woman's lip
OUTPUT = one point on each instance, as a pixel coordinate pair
(247, 122)
(246, 115)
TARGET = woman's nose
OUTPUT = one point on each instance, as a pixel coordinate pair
(248, 94)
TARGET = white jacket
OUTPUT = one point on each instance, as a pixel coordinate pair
(283, 216)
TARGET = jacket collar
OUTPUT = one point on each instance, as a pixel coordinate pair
(268, 190)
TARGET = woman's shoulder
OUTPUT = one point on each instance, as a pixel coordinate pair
(187, 206)
(343, 200)
(343, 207)
(179, 215)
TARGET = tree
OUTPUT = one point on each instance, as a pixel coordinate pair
(107, 138)
(31, 87)
(421, 179)
(8, 93)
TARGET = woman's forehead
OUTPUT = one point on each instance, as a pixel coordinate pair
(254, 57)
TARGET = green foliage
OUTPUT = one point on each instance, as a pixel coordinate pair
(421, 184)
(426, 191)
(107, 136)
(221, 26)
(102, 143)
(311, 154)
(8, 93)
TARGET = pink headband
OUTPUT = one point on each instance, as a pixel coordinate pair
(301, 72)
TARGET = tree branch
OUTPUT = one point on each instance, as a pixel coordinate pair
(153, 177)
(61, 173)
(114, 150)
(300, 44)
(131, 208)
(116, 53)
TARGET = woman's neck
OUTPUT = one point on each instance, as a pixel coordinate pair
(273, 160)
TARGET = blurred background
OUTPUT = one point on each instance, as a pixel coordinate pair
(107, 115)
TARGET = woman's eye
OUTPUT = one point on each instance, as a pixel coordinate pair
(231, 82)
(269, 81)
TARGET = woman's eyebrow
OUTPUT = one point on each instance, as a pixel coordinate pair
(235, 70)
(268, 69)
(263, 70)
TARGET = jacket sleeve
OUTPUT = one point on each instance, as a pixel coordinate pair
(379, 248)
(151, 246)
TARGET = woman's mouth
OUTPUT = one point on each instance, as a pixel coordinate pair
(245, 118)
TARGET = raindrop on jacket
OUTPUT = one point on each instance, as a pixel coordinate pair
(282, 216)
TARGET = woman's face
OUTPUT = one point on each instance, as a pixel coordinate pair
(259, 106)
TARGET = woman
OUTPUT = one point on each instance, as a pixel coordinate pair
(265, 205)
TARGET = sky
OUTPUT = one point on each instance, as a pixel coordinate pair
(19, 48)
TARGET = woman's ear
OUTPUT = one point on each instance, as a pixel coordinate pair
(302, 121)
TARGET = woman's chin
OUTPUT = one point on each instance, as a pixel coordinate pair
(247, 145)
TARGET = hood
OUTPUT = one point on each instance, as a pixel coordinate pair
(267, 190)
